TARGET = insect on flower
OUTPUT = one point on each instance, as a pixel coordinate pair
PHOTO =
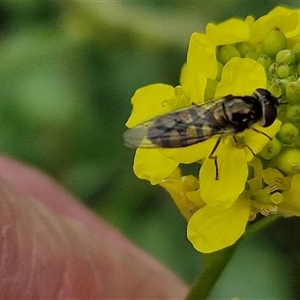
(228, 115)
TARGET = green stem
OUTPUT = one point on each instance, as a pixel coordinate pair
(215, 263)
(259, 225)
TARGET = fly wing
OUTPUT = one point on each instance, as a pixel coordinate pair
(179, 128)
(137, 136)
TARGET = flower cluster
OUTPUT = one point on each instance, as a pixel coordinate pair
(234, 57)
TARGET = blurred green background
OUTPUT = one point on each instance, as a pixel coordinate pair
(68, 71)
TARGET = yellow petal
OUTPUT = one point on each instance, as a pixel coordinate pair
(256, 183)
(201, 55)
(249, 20)
(228, 32)
(241, 76)
(211, 229)
(149, 164)
(296, 31)
(194, 86)
(183, 74)
(271, 176)
(180, 185)
(201, 64)
(275, 18)
(190, 154)
(233, 173)
(256, 141)
(178, 188)
(291, 200)
(292, 196)
(281, 14)
(195, 198)
(148, 102)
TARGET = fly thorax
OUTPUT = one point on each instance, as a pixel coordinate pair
(242, 112)
(220, 116)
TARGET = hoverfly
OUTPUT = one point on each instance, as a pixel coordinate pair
(228, 115)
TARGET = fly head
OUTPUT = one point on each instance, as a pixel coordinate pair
(269, 105)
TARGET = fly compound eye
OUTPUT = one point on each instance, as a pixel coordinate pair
(269, 114)
(262, 93)
(269, 106)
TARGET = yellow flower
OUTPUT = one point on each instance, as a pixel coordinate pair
(271, 191)
(184, 191)
(290, 205)
(234, 57)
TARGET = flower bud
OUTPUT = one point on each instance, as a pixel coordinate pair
(293, 78)
(226, 52)
(293, 92)
(293, 113)
(287, 56)
(274, 42)
(210, 89)
(288, 134)
(220, 69)
(243, 48)
(264, 60)
(252, 55)
(283, 83)
(276, 89)
(271, 149)
(272, 68)
(298, 69)
(271, 78)
(259, 49)
(288, 160)
(282, 70)
(296, 48)
(293, 70)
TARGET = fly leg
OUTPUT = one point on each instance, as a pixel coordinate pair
(258, 131)
(214, 157)
(246, 146)
(238, 145)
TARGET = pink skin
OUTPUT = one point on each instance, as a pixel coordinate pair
(54, 248)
